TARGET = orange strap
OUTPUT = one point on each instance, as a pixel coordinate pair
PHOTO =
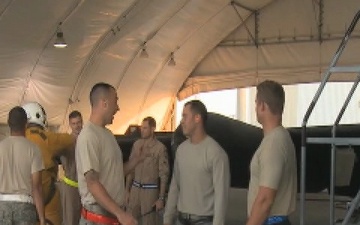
(97, 218)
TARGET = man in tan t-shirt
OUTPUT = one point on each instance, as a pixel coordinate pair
(20, 174)
(100, 165)
(273, 181)
(146, 186)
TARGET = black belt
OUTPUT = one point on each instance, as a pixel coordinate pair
(191, 219)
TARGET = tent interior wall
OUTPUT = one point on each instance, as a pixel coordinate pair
(212, 45)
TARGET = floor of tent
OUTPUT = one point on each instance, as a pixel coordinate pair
(316, 208)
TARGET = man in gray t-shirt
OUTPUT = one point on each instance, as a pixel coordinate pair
(201, 178)
(273, 182)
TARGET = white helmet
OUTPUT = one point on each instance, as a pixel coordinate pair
(35, 113)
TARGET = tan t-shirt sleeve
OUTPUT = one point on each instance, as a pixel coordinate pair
(173, 195)
(89, 149)
(272, 161)
(37, 163)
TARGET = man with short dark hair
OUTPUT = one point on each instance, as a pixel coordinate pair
(100, 165)
(70, 198)
(146, 186)
(20, 174)
(273, 182)
(201, 177)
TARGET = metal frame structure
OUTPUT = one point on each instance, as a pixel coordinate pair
(333, 140)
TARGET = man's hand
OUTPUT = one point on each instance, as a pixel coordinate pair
(126, 219)
(159, 204)
(127, 198)
(139, 154)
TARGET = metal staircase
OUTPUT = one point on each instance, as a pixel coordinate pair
(334, 141)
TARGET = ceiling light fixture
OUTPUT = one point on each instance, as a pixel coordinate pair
(60, 41)
(172, 60)
(144, 53)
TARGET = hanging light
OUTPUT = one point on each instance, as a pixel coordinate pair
(172, 60)
(60, 41)
(144, 53)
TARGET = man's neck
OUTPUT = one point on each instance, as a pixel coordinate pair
(17, 133)
(96, 119)
(152, 137)
(271, 123)
(197, 136)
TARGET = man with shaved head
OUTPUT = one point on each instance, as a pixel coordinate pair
(273, 181)
(100, 165)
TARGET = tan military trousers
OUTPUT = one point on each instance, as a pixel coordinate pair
(141, 202)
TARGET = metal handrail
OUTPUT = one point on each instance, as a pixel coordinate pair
(311, 108)
(333, 149)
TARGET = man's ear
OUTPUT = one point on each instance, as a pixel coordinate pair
(266, 106)
(104, 102)
(197, 118)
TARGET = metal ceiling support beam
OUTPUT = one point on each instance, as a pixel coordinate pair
(274, 41)
(6, 8)
(242, 6)
(244, 24)
(321, 20)
(257, 28)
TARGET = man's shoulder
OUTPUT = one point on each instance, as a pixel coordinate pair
(139, 142)
(88, 131)
(23, 142)
(159, 143)
(213, 144)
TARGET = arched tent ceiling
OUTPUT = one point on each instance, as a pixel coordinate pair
(288, 41)
(105, 39)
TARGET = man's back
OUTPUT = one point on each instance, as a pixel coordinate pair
(19, 158)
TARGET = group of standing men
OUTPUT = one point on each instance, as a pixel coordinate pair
(113, 192)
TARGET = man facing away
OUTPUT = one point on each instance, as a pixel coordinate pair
(51, 145)
(100, 165)
(69, 193)
(146, 186)
(273, 182)
(20, 174)
(201, 177)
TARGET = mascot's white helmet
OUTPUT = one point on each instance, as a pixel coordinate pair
(35, 113)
